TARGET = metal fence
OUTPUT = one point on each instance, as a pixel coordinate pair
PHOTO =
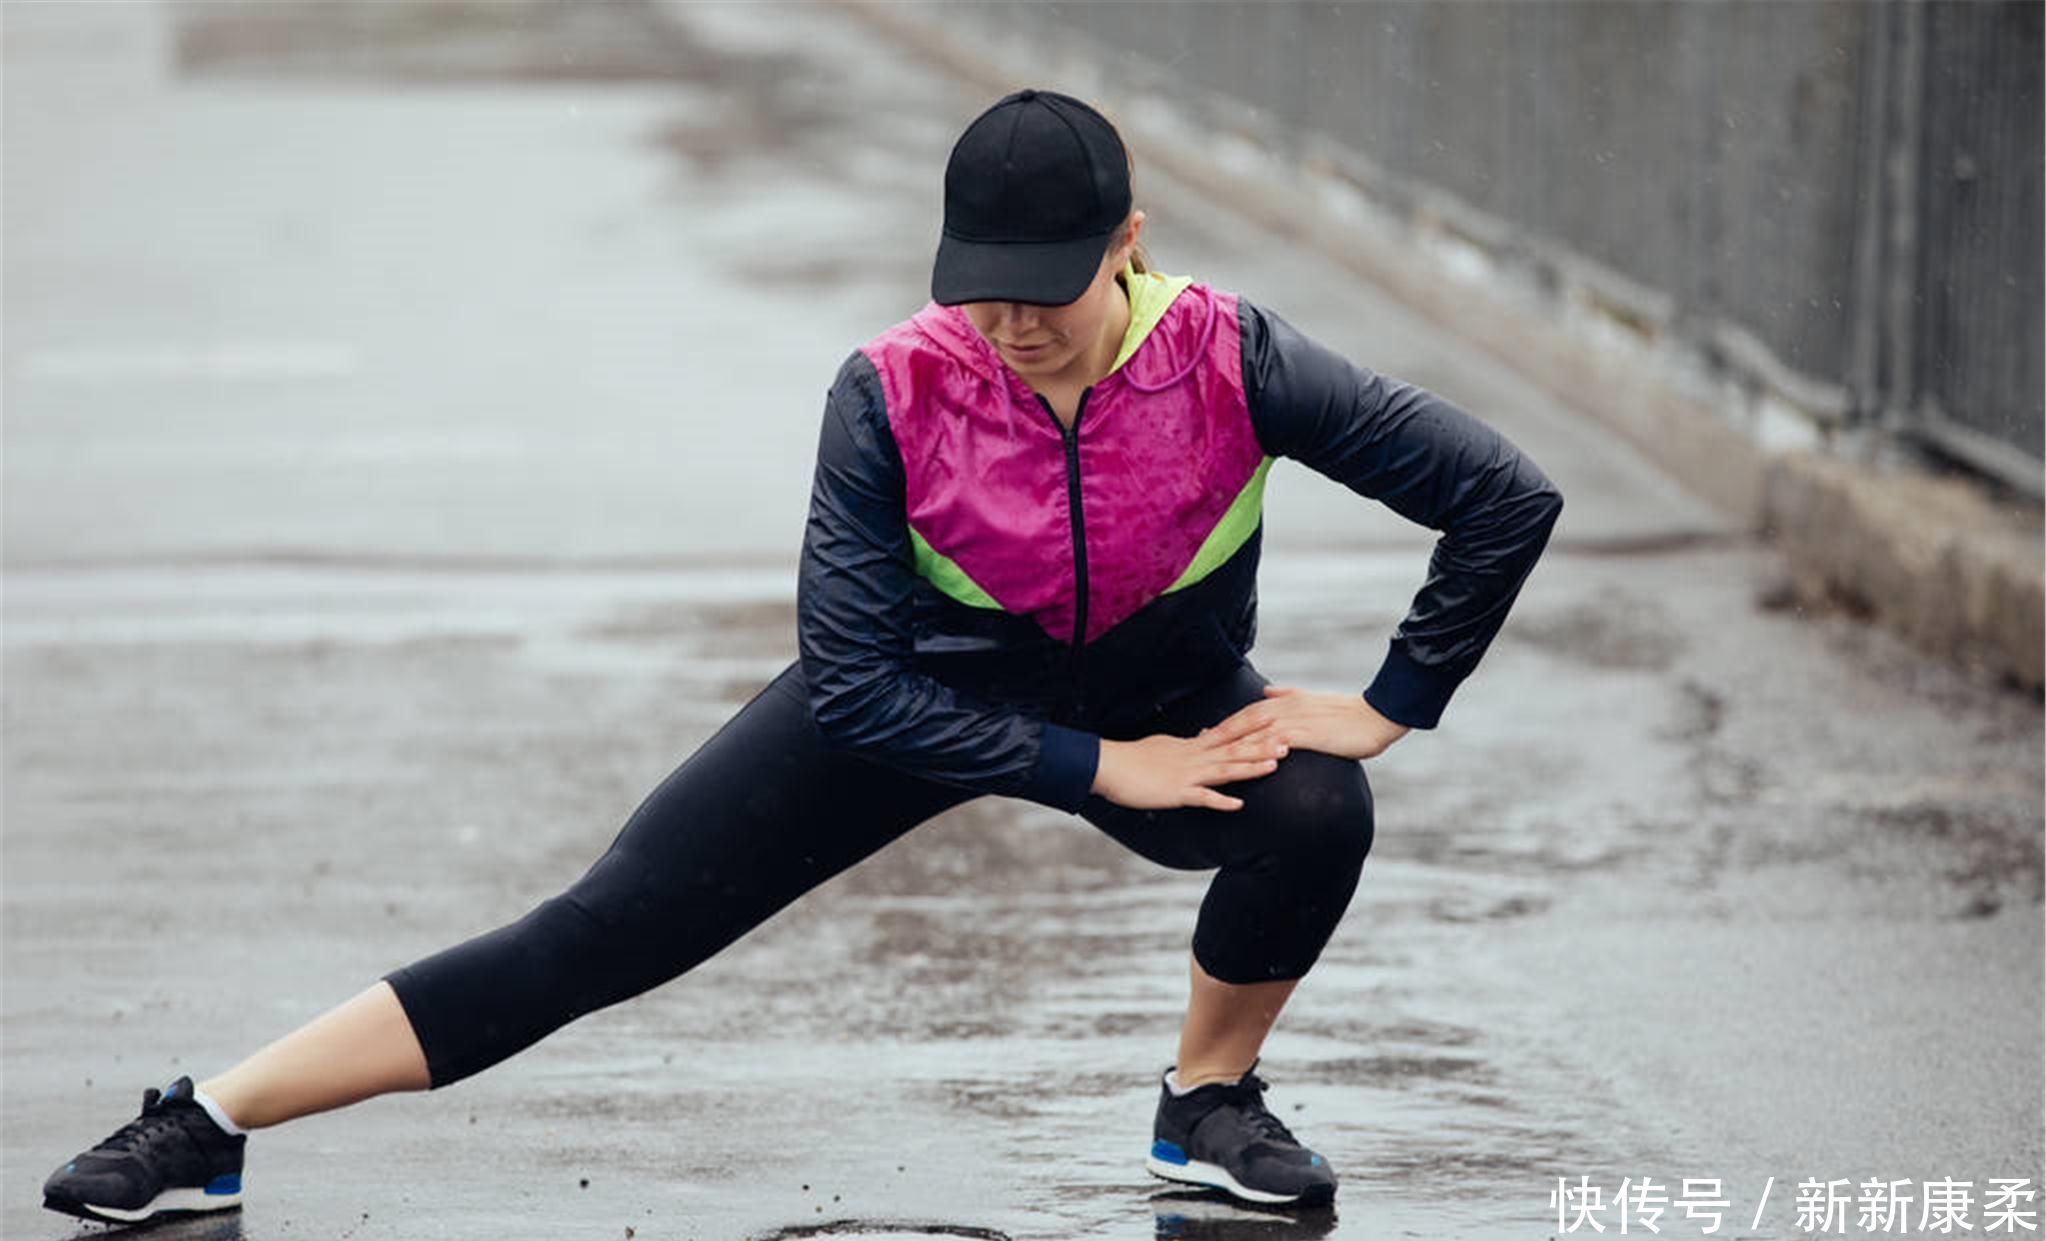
(1976, 374)
(1854, 186)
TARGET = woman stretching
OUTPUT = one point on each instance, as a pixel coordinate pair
(1029, 570)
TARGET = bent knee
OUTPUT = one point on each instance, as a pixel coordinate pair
(1317, 810)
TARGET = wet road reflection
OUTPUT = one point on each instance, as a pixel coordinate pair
(1207, 1216)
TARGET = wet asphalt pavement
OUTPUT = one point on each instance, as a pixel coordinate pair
(406, 452)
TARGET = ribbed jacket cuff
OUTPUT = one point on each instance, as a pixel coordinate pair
(1064, 774)
(1409, 693)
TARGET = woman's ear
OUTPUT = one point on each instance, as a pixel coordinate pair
(1132, 231)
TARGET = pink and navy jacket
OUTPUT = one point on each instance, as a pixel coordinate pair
(985, 594)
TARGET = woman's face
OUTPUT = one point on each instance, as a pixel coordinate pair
(1053, 344)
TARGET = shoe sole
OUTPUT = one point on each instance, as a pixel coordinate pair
(169, 1202)
(1214, 1176)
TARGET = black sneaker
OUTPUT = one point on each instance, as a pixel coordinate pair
(1221, 1136)
(172, 1159)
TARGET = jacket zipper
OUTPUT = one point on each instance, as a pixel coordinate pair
(1071, 437)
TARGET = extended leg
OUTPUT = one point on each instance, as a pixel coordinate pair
(762, 813)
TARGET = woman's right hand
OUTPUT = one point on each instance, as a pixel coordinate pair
(1163, 773)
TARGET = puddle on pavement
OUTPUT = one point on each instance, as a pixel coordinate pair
(1178, 1216)
(867, 1230)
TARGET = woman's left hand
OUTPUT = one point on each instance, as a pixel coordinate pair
(1341, 724)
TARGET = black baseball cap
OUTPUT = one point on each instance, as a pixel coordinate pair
(1034, 188)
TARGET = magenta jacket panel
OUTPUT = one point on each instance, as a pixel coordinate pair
(1162, 448)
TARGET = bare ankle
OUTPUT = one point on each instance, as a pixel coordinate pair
(1193, 1076)
(239, 1109)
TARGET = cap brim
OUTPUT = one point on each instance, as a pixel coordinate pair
(1042, 273)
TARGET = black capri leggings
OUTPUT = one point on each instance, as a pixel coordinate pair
(766, 810)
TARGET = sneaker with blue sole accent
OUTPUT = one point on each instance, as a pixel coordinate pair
(1221, 1135)
(170, 1160)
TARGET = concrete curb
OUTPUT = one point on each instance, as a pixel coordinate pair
(1935, 559)
(1926, 556)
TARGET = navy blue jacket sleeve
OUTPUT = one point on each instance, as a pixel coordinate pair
(1431, 463)
(853, 621)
